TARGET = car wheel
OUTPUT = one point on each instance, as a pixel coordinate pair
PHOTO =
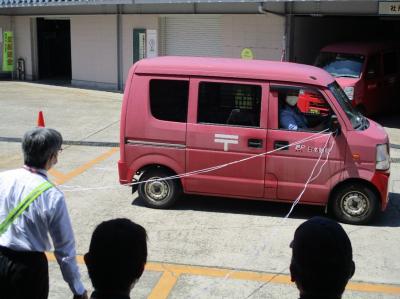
(158, 193)
(355, 204)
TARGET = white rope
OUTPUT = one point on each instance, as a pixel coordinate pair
(200, 171)
(310, 179)
(281, 221)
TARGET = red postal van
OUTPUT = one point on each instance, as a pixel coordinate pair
(187, 115)
(369, 73)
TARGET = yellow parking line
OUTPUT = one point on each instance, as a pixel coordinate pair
(171, 273)
(373, 288)
(164, 285)
(59, 175)
(77, 171)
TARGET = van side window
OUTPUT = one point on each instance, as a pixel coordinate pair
(389, 63)
(301, 109)
(169, 99)
(372, 67)
(229, 104)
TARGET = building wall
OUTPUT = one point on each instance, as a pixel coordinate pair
(23, 44)
(262, 33)
(223, 35)
(130, 22)
(94, 51)
(5, 24)
(94, 43)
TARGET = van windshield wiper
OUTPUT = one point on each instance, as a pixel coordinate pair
(345, 76)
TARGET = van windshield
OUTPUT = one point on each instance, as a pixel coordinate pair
(358, 121)
(341, 65)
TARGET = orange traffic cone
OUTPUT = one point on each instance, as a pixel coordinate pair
(40, 120)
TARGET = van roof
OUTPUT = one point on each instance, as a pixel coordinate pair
(234, 68)
(363, 48)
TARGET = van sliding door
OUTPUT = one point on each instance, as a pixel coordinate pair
(225, 127)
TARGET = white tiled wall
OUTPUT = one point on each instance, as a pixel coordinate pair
(22, 43)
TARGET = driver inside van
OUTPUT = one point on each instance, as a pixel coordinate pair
(290, 117)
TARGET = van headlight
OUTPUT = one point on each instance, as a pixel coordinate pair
(349, 91)
(382, 157)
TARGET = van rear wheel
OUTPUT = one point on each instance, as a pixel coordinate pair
(355, 204)
(158, 193)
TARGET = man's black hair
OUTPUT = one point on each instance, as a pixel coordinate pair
(39, 144)
(117, 255)
(322, 258)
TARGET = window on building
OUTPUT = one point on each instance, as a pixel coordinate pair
(229, 104)
(389, 63)
(169, 99)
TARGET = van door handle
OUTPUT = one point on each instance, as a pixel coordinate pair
(255, 143)
(280, 143)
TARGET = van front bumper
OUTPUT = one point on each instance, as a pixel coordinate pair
(381, 182)
(123, 173)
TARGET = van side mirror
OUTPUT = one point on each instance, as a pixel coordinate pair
(334, 125)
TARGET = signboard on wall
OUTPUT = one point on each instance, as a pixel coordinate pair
(151, 43)
(247, 53)
(389, 7)
(145, 44)
(8, 51)
(1, 46)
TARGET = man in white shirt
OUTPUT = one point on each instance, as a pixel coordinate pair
(23, 264)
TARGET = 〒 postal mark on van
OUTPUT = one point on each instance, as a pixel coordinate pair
(182, 115)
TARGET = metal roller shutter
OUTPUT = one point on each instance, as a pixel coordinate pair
(192, 36)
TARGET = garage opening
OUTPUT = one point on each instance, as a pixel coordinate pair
(312, 33)
(54, 50)
(377, 93)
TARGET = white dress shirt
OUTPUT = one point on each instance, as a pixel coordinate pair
(48, 214)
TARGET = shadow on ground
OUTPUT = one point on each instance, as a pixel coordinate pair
(241, 206)
(389, 218)
(389, 120)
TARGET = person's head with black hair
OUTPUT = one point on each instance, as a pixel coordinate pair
(40, 147)
(322, 259)
(117, 257)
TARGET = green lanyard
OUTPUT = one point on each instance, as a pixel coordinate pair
(23, 205)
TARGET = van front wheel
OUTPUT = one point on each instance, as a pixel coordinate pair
(156, 192)
(355, 204)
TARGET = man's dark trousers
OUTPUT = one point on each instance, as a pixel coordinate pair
(23, 275)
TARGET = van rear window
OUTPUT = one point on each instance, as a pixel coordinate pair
(229, 104)
(169, 99)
